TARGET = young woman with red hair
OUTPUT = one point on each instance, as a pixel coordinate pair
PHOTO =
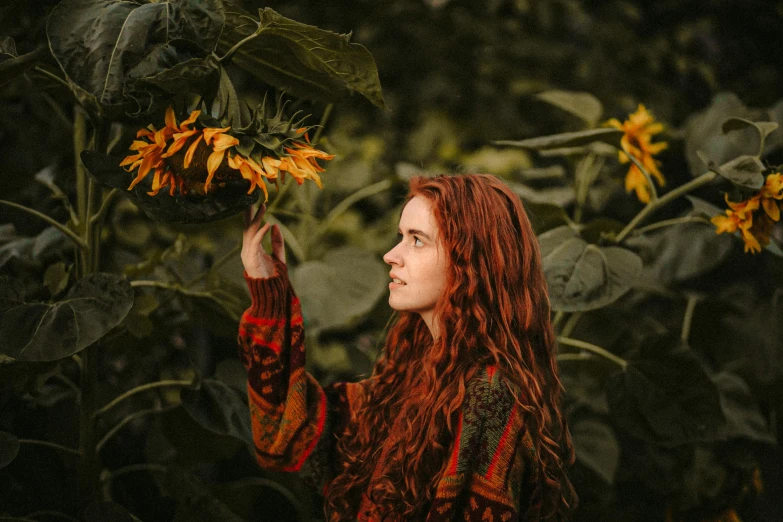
(460, 419)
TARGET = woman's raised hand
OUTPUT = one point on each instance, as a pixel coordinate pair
(259, 264)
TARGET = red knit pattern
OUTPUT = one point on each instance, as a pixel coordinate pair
(295, 421)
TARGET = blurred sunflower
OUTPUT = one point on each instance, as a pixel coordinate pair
(198, 154)
(754, 217)
(639, 129)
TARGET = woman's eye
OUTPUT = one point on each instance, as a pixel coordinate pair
(418, 242)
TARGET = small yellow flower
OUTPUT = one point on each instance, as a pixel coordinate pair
(638, 130)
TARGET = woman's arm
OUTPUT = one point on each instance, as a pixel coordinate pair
(294, 420)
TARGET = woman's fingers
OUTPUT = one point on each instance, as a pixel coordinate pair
(278, 245)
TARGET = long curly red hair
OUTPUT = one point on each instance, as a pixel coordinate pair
(495, 311)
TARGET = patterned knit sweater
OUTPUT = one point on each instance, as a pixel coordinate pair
(296, 422)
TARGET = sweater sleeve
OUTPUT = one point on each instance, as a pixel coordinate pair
(489, 470)
(295, 421)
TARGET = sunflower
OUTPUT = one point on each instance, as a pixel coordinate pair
(754, 217)
(196, 155)
(638, 130)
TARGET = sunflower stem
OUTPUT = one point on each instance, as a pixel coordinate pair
(227, 57)
(670, 222)
(62, 228)
(322, 124)
(652, 206)
(688, 318)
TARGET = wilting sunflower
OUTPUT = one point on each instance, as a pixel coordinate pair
(754, 217)
(639, 129)
(198, 154)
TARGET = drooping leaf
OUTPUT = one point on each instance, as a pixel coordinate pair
(192, 208)
(595, 444)
(666, 398)
(48, 332)
(98, 42)
(568, 139)
(764, 128)
(745, 171)
(581, 104)
(743, 416)
(9, 448)
(11, 64)
(582, 276)
(302, 59)
(342, 287)
(218, 408)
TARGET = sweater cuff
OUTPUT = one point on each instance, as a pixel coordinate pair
(269, 296)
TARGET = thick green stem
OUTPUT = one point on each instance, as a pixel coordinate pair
(141, 389)
(652, 206)
(593, 349)
(688, 318)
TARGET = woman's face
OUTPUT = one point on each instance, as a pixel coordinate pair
(418, 262)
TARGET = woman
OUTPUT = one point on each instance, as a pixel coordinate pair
(460, 419)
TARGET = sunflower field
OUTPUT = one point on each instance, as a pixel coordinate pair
(644, 138)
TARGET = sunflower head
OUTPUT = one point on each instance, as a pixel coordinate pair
(201, 154)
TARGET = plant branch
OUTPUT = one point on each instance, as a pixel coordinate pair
(324, 119)
(345, 204)
(652, 206)
(141, 389)
(181, 290)
(594, 349)
(145, 466)
(94, 220)
(688, 318)
(128, 419)
(48, 444)
(673, 221)
(52, 76)
(59, 226)
(227, 57)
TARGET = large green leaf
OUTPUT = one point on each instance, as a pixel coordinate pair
(192, 208)
(302, 59)
(583, 276)
(666, 398)
(581, 104)
(568, 139)
(341, 288)
(97, 43)
(595, 445)
(218, 408)
(743, 415)
(9, 448)
(745, 171)
(47, 332)
(50, 242)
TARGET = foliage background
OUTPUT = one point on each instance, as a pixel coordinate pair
(456, 75)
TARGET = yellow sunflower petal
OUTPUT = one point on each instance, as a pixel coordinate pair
(191, 151)
(723, 224)
(156, 182)
(171, 119)
(751, 243)
(771, 208)
(213, 162)
(192, 118)
(179, 141)
(209, 133)
(223, 142)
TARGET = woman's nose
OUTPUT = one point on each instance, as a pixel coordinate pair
(392, 257)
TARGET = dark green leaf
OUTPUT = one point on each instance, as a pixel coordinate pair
(192, 208)
(246, 495)
(745, 171)
(666, 399)
(193, 75)
(581, 104)
(33, 251)
(545, 216)
(104, 511)
(56, 278)
(595, 444)
(568, 139)
(599, 228)
(47, 332)
(583, 276)
(98, 42)
(194, 444)
(302, 59)
(9, 448)
(764, 128)
(744, 418)
(341, 288)
(704, 207)
(196, 501)
(218, 408)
